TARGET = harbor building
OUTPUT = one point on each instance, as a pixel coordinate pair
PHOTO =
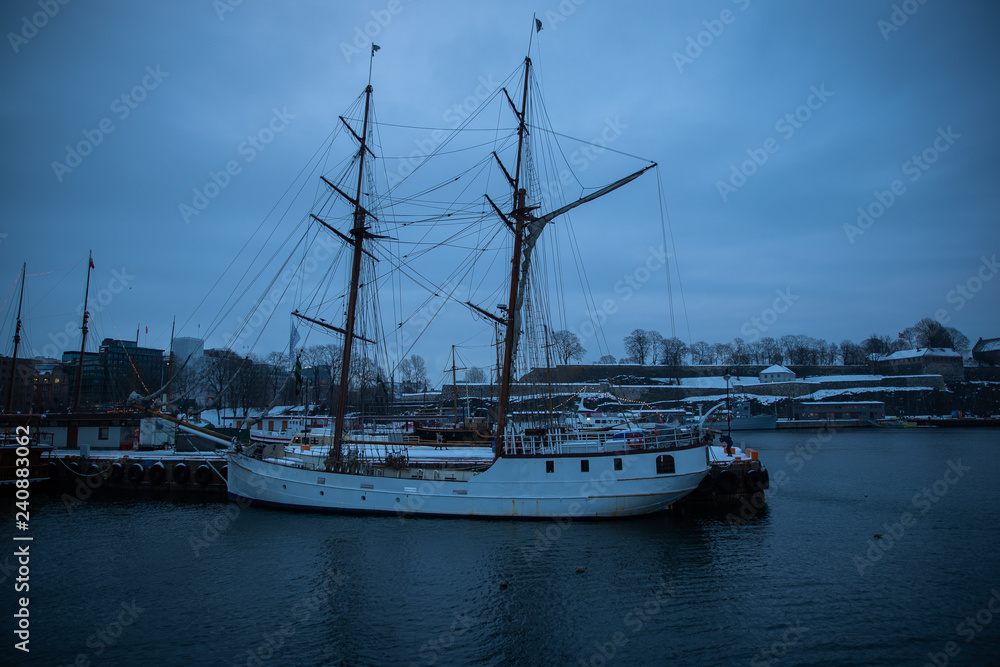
(926, 361)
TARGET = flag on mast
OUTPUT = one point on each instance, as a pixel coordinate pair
(293, 339)
(538, 25)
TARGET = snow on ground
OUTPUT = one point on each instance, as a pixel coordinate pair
(830, 393)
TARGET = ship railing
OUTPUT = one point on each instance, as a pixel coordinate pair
(582, 442)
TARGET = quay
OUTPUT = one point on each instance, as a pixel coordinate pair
(176, 473)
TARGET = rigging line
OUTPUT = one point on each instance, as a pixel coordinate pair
(263, 220)
(45, 273)
(454, 131)
(411, 156)
(235, 302)
(665, 216)
(441, 129)
(590, 143)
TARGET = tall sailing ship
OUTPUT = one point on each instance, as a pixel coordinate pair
(533, 469)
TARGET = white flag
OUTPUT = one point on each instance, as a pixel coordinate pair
(293, 339)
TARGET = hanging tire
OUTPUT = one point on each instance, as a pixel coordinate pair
(93, 469)
(705, 485)
(158, 473)
(203, 475)
(767, 478)
(225, 472)
(117, 472)
(74, 468)
(54, 471)
(755, 481)
(727, 482)
(136, 473)
(180, 474)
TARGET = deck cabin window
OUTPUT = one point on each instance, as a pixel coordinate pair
(102, 433)
(618, 464)
(665, 465)
(585, 466)
(550, 466)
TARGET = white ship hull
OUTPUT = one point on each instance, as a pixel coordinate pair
(512, 487)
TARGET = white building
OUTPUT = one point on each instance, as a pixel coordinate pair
(776, 373)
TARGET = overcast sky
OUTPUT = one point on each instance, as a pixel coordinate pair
(772, 123)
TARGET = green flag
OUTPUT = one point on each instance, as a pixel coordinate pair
(298, 375)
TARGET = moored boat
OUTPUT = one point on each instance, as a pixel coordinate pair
(528, 470)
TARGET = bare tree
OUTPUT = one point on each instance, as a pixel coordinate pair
(607, 360)
(931, 333)
(567, 346)
(875, 347)
(851, 353)
(673, 351)
(637, 345)
(413, 373)
(655, 346)
(475, 375)
(701, 353)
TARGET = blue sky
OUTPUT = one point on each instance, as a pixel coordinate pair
(772, 123)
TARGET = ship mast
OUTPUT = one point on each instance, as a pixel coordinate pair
(358, 236)
(17, 340)
(83, 338)
(520, 216)
(527, 230)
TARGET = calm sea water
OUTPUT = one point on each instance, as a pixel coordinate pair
(124, 582)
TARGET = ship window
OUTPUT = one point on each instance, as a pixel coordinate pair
(665, 465)
(618, 464)
(550, 466)
(102, 434)
(584, 466)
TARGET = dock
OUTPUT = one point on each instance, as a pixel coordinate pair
(83, 473)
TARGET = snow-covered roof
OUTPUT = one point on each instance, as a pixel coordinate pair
(927, 351)
(992, 345)
(777, 368)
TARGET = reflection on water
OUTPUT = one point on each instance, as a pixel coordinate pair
(805, 581)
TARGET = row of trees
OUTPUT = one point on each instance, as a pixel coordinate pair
(650, 347)
(224, 380)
